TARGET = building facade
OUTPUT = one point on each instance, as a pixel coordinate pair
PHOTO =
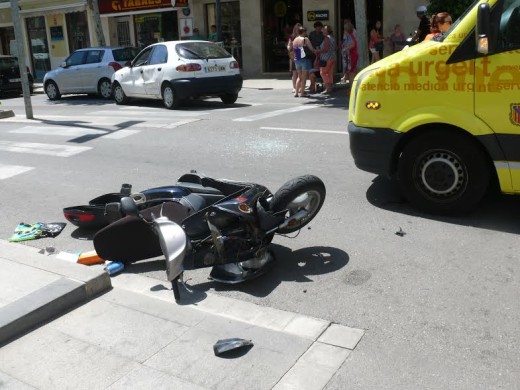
(254, 31)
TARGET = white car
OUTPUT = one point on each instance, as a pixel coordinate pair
(178, 70)
(87, 71)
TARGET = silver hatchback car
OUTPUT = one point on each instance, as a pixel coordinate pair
(87, 71)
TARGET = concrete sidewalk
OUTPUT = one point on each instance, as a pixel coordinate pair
(278, 81)
(65, 325)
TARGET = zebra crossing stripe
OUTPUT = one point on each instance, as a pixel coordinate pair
(43, 149)
(270, 114)
(7, 171)
(67, 131)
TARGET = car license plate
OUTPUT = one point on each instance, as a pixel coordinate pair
(215, 68)
(15, 80)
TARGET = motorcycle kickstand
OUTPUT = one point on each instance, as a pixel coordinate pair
(175, 288)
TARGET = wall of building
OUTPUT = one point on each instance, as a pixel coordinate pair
(58, 49)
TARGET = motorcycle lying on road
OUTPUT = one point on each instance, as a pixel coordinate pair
(204, 222)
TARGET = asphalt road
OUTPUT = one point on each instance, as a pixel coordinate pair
(440, 304)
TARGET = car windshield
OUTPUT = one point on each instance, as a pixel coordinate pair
(201, 50)
(125, 54)
(8, 64)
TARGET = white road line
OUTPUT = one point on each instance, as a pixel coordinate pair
(160, 114)
(67, 131)
(43, 149)
(304, 130)
(273, 113)
(120, 134)
(7, 171)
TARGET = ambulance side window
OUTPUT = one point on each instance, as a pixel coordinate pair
(509, 35)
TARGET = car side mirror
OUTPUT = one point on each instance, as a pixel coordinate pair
(63, 64)
(482, 32)
(128, 64)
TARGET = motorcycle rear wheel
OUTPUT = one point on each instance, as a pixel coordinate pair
(306, 192)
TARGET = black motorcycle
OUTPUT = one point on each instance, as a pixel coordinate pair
(205, 222)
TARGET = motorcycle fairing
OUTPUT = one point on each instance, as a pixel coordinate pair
(131, 238)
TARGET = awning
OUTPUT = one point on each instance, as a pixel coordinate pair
(54, 9)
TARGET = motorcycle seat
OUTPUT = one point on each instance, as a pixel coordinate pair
(199, 188)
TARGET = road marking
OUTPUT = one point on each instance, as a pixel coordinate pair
(7, 171)
(67, 131)
(270, 114)
(159, 114)
(120, 134)
(304, 130)
(43, 149)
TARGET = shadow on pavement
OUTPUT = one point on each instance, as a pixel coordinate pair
(496, 211)
(295, 266)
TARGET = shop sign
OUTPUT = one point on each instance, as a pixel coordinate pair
(180, 3)
(56, 33)
(317, 15)
(114, 6)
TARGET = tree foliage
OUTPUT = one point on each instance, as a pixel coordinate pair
(454, 8)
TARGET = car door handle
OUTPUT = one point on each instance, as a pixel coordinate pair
(141, 71)
(159, 69)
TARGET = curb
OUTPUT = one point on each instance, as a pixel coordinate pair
(6, 114)
(75, 284)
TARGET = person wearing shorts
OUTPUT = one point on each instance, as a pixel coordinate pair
(302, 60)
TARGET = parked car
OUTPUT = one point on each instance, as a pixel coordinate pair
(178, 70)
(87, 71)
(10, 79)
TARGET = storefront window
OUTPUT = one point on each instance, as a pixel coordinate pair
(156, 27)
(38, 46)
(6, 37)
(279, 19)
(230, 26)
(77, 30)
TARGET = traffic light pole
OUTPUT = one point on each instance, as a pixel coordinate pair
(15, 13)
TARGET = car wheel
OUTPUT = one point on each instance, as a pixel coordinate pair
(170, 99)
(52, 90)
(229, 98)
(443, 173)
(118, 94)
(105, 88)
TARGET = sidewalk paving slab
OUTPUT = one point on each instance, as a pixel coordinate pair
(36, 288)
(128, 332)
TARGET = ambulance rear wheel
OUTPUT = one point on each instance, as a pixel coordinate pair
(443, 172)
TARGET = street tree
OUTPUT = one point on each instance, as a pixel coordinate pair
(454, 8)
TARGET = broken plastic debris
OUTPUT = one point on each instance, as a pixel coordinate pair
(401, 232)
(223, 346)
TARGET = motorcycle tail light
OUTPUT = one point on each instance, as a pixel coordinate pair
(80, 217)
(188, 68)
(115, 66)
(234, 65)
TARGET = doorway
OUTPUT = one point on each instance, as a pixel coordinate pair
(279, 17)
(374, 12)
(38, 46)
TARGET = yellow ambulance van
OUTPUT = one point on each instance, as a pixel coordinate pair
(443, 116)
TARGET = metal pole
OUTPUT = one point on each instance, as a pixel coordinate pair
(218, 21)
(15, 14)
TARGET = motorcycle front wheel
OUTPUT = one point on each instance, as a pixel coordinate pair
(303, 192)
